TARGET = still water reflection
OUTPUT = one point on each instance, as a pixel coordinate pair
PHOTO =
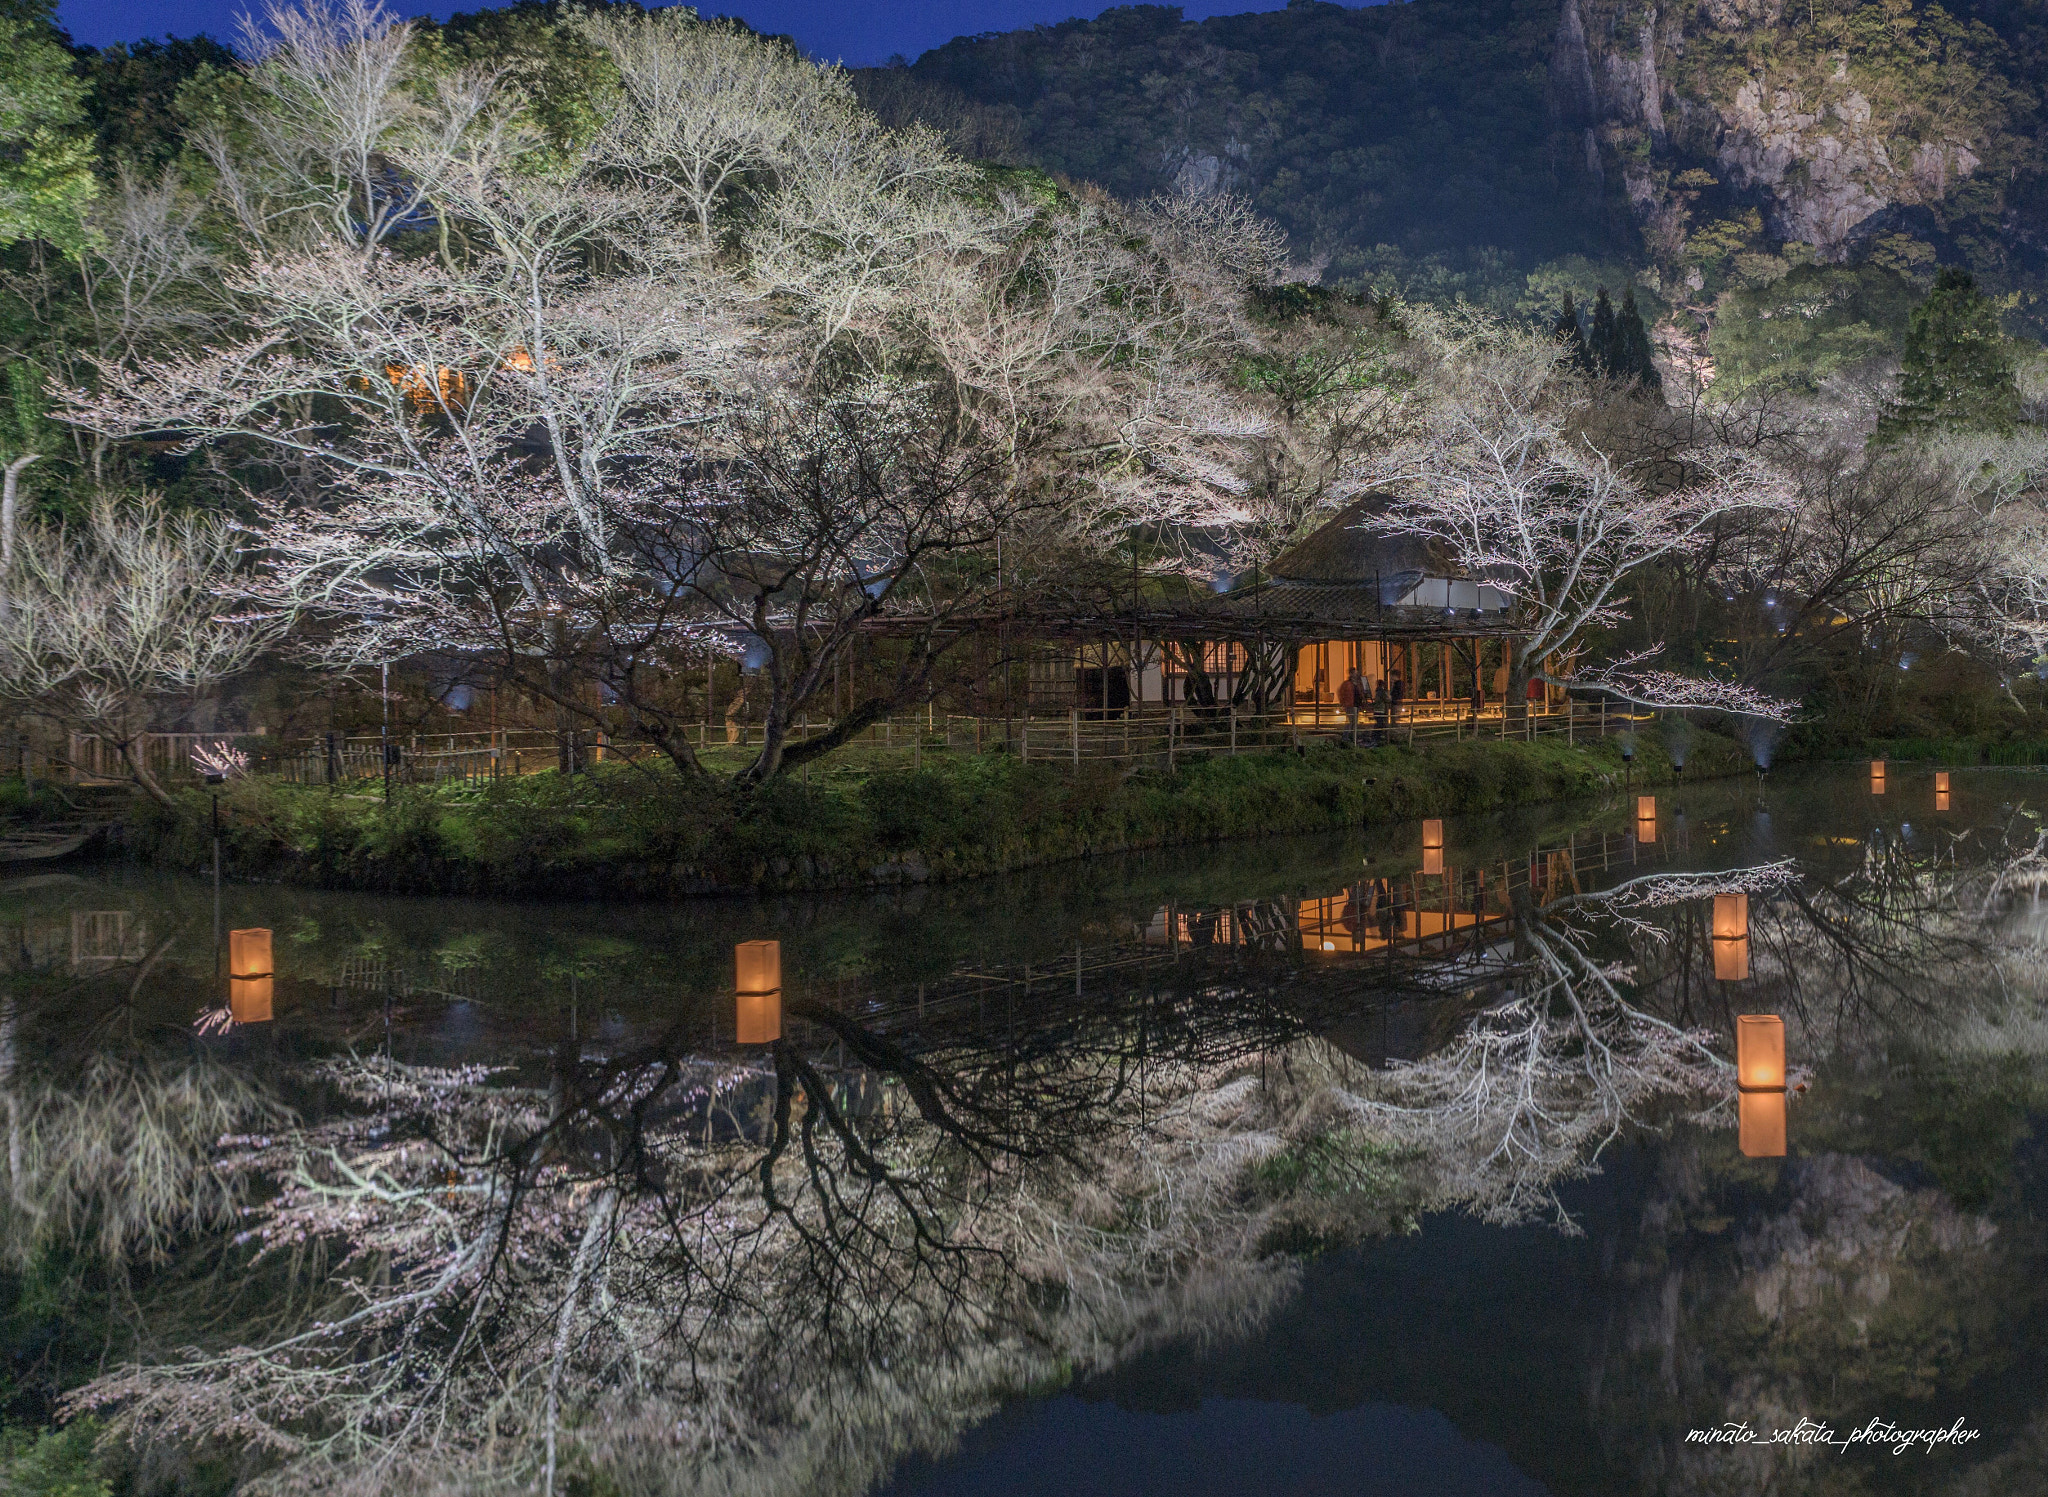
(1414, 1160)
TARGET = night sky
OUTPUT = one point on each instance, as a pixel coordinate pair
(847, 31)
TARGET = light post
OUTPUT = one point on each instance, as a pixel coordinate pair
(214, 780)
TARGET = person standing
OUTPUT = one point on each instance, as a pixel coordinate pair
(1351, 694)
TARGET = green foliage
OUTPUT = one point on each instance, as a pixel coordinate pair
(1959, 366)
(620, 829)
(1814, 322)
(561, 78)
(1333, 1163)
(52, 1462)
(1580, 278)
(134, 92)
(1618, 345)
(46, 153)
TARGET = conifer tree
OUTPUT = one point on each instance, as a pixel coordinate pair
(1567, 332)
(1600, 337)
(1958, 367)
(1632, 359)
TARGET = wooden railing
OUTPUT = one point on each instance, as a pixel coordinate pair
(1164, 736)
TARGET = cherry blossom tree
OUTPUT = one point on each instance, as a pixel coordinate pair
(590, 419)
(1496, 473)
(115, 627)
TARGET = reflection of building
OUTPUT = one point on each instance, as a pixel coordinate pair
(104, 938)
(1400, 913)
(1414, 912)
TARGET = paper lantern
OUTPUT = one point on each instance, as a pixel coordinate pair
(1762, 1131)
(1731, 937)
(1760, 1052)
(249, 976)
(1646, 808)
(249, 999)
(1877, 777)
(758, 969)
(759, 966)
(760, 1019)
(1432, 847)
(1941, 782)
(249, 953)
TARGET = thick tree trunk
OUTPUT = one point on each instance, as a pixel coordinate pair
(1516, 707)
(10, 496)
(131, 756)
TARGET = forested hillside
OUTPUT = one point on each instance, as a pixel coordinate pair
(1507, 150)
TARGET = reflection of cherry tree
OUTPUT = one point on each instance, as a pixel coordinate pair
(1541, 1082)
(798, 1260)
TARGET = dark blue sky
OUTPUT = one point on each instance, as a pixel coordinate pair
(852, 31)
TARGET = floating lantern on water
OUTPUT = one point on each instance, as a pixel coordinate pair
(1760, 1052)
(1646, 818)
(249, 976)
(1731, 937)
(1941, 790)
(1877, 777)
(1762, 1131)
(1432, 847)
(759, 981)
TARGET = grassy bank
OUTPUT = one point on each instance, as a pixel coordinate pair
(619, 830)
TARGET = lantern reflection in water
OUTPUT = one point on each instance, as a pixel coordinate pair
(1646, 818)
(1941, 790)
(1760, 1052)
(1731, 937)
(1762, 1132)
(249, 976)
(1760, 1073)
(1877, 777)
(1432, 847)
(759, 972)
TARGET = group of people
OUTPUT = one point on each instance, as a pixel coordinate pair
(1383, 698)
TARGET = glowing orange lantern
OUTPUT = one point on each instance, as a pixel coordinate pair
(1760, 1052)
(1646, 818)
(1941, 790)
(1432, 847)
(1762, 1131)
(249, 976)
(249, 953)
(249, 999)
(1731, 937)
(1877, 777)
(759, 980)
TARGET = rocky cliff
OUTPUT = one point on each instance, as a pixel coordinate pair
(1465, 145)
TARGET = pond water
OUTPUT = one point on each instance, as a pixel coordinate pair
(1399, 1161)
